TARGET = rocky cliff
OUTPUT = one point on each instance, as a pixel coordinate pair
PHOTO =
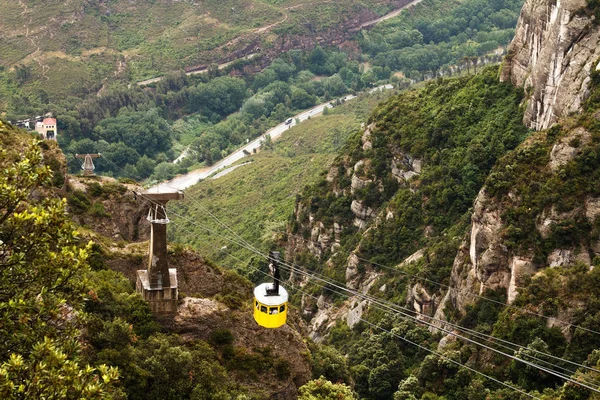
(534, 211)
(110, 207)
(551, 57)
(392, 198)
(538, 210)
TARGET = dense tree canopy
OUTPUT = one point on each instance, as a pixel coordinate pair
(41, 267)
(322, 389)
(146, 132)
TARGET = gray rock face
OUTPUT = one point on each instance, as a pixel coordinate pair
(405, 167)
(551, 57)
(358, 183)
(483, 262)
(487, 254)
(366, 138)
(352, 271)
(421, 301)
(362, 214)
(520, 269)
(568, 147)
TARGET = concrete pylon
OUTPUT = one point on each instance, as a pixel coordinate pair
(158, 283)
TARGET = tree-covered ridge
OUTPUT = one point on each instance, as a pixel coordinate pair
(42, 266)
(437, 36)
(544, 192)
(541, 180)
(457, 128)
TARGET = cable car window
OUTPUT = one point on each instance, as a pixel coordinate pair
(257, 304)
(273, 310)
(263, 309)
(282, 309)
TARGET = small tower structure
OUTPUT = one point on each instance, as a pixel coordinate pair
(88, 163)
(158, 283)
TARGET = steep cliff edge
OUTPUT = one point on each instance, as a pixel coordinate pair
(538, 210)
(551, 57)
(401, 191)
(432, 173)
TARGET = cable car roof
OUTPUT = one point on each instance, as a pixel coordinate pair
(260, 293)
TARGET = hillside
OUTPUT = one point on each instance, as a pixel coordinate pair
(208, 110)
(435, 247)
(446, 218)
(81, 43)
(255, 199)
(71, 303)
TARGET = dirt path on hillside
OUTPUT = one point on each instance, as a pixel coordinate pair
(392, 14)
(45, 68)
(271, 26)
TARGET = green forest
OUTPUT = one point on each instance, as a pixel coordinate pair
(372, 205)
(482, 144)
(212, 114)
(127, 354)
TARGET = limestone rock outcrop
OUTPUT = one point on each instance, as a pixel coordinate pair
(551, 57)
(568, 147)
(484, 262)
(405, 167)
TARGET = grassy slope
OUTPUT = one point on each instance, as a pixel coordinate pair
(256, 200)
(91, 41)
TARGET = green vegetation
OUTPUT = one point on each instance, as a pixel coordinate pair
(437, 36)
(458, 128)
(322, 389)
(467, 133)
(79, 45)
(378, 359)
(255, 199)
(42, 262)
(71, 328)
(201, 111)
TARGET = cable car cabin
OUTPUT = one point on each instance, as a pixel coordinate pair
(270, 310)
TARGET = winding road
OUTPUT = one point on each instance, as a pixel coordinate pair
(182, 182)
(222, 167)
(269, 27)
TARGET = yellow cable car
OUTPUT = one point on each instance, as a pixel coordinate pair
(270, 300)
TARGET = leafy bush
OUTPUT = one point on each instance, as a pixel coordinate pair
(78, 202)
(221, 336)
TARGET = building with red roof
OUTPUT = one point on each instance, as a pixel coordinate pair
(47, 128)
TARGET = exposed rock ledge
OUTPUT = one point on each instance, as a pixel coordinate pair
(483, 262)
(552, 53)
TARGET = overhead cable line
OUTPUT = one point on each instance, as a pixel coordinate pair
(516, 389)
(411, 275)
(479, 335)
(393, 307)
(448, 287)
(401, 311)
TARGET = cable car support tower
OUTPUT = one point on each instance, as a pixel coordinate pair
(158, 283)
(88, 163)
